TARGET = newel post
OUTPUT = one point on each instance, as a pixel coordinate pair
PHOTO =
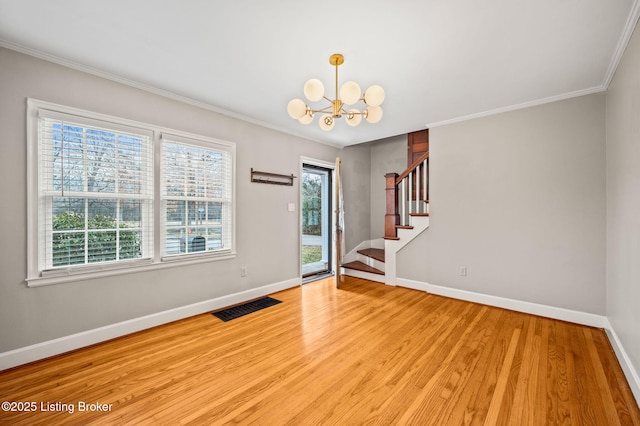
(392, 218)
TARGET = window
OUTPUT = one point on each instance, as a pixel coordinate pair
(96, 205)
(95, 192)
(196, 197)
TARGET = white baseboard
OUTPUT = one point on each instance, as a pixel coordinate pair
(415, 285)
(584, 318)
(364, 275)
(75, 341)
(625, 362)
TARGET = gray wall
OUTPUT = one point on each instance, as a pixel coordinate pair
(387, 156)
(623, 201)
(519, 199)
(356, 172)
(364, 167)
(267, 234)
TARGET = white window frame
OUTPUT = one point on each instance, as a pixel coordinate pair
(212, 145)
(36, 277)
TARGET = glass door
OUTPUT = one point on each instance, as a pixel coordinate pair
(316, 220)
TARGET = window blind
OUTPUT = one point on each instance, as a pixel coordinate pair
(95, 192)
(196, 197)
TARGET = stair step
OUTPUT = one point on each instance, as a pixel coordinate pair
(418, 214)
(404, 227)
(392, 238)
(359, 266)
(375, 253)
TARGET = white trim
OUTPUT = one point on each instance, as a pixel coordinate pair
(629, 371)
(228, 201)
(75, 341)
(316, 162)
(332, 167)
(176, 136)
(550, 99)
(124, 269)
(390, 265)
(412, 284)
(623, 41)
(363, 275)
(188, 137)
(154, 90)
(553, 312)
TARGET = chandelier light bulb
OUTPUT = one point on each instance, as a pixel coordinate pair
(314, 90)
(354, 117)
(307, 118)
(296, 108)
(350, 93)
(374, 95)
(373, 114)
(326, 122)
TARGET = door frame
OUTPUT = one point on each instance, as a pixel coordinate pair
(332, 226)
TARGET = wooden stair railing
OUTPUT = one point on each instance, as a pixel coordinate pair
(407, 195)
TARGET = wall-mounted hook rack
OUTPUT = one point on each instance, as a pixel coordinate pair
(272, 178)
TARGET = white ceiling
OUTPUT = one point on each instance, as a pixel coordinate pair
(438, 60)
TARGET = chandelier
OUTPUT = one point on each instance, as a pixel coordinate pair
(350, 94)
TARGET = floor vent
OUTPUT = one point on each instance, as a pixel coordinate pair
(245, 309)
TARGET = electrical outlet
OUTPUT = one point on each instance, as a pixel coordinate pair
(463, 271)
(243, 271)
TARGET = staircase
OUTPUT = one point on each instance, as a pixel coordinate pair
(407, 217)
(369, 264)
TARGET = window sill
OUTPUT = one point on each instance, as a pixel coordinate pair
(75, 275)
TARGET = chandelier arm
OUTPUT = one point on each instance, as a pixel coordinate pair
(345, 112)
(326, 109)
(349, 112)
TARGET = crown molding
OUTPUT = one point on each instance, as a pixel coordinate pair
(150, 89)
(115, 78)
(529, 104)
(623, 41)
(625, 37)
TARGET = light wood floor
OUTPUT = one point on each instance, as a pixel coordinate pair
(364, 354)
